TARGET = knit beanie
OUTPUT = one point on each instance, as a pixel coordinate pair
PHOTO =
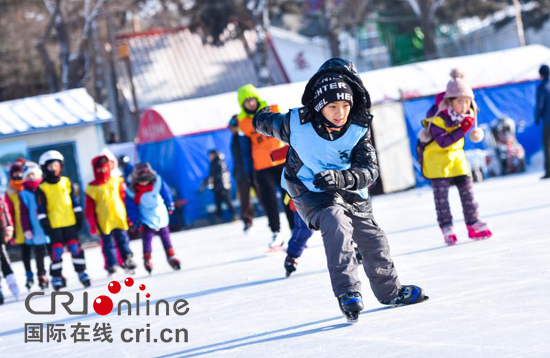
(331, 88)
(143, 172)
(457, 86)
(32, 168)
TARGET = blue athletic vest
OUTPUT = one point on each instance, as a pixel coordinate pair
(319, 154)
(39, 237)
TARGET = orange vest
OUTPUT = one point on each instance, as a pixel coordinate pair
(262, 146)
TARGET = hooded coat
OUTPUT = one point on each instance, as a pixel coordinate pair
(362, 156)
(261, 146)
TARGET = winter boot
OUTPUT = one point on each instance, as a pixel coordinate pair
(12, 284)
(30, 280)
(84, 278)
(43, 282)
(57, 283)
(290, 264)
(408, 295)
(479, 231)
(449, 235)
(147, 262)
(351, 304)
(172, 260)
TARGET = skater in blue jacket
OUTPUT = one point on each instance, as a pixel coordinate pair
(329, 168)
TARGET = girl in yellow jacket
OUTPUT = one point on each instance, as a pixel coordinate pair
(443, 160)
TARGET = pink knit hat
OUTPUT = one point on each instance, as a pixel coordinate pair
(457, 86)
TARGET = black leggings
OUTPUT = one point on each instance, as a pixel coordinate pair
(268, 181)
(39, 254)
(5, 260)
(223, 197)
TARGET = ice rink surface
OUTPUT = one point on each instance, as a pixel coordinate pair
(487, 299)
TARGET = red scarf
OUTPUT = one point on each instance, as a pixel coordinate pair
(32, 185)
(140, 190)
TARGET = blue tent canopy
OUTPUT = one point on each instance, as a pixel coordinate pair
(516, 101)
(182, 159)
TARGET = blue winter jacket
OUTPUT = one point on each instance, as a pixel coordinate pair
(28, 198)
(153, 207)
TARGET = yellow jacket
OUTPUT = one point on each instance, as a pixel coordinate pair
(109, 207)
(59, 203)
(448, 162)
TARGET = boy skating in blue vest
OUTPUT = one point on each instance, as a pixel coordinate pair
(328, 170)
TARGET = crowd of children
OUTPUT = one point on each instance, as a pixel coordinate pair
(326, 189)
(41, 213)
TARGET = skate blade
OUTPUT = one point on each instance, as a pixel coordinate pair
(481, 238)
(352, 319)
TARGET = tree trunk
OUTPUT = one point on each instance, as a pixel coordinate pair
(332, 29)
(260, 56)
(51, 78)
(428, 29)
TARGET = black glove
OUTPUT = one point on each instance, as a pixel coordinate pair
(79, 218)
(332, 180)
(45, 223)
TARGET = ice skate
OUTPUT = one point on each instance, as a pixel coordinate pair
(290, 265)
(111, 270)
(30, 280)
(12, 285)
(449, 235)
(57, 283)
(147, 262)
(479, 231)
(1, 297)
(351, 305)
(276, 243)
(43, 282)
(174, 262)
(408, 295)
(129, 265)
(84, 279)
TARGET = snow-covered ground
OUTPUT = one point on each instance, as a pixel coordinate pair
(488, 299)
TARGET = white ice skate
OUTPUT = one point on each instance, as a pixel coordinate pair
(12, 284)
(276, 244)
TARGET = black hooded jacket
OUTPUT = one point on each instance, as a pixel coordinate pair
(364, 164)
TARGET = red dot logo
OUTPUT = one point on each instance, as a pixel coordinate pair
(103, 305)
(142, 287)
(114, 287)
(147, 295)
(129, 282)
